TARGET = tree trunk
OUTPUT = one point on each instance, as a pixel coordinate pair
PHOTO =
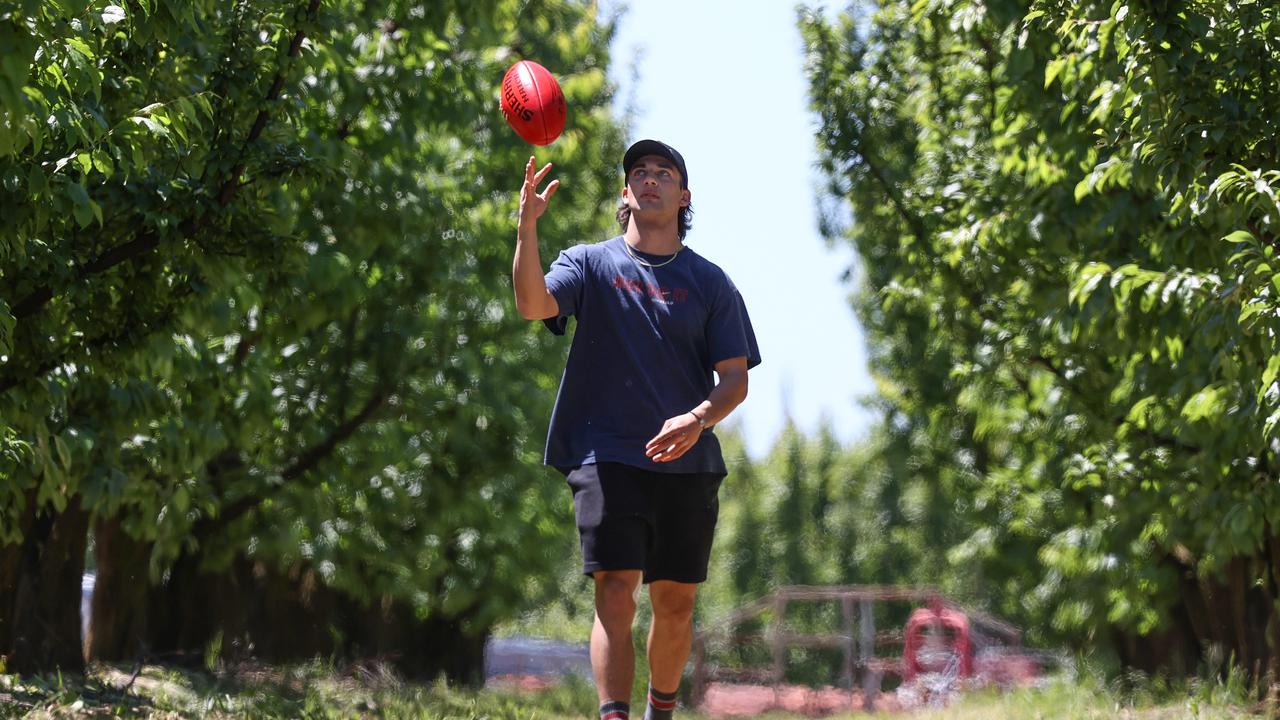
(1241, 612)
(258, 610)
(439, 646)
(286, 616)
(192, 607)
(295, 616)
(419, 649)
(10, 561)
(1232, 620)
(1172, 650)
(118, 619)
(1271, 596)
(45, 626)
(10, 572)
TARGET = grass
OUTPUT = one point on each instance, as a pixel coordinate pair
(312, 690)
(320, 690)
(1081, 702)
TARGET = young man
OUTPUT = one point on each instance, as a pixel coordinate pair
(632, 423)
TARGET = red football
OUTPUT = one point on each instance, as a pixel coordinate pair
(533, 103)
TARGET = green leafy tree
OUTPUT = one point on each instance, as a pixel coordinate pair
(1066, 215)
(259, 325)
(792, 521)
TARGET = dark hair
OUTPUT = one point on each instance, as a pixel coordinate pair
(686, 219)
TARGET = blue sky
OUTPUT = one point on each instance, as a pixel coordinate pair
(723, 83)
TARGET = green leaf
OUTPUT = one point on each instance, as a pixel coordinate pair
(1138, 413)
(1205, 404)
(102, 162)
(1273, 369)
(181, 499)
(64, 453)
(1252, 309)
(155, 127)
(1053, 69)
(81, 47)
(1084, 187)
(80, 200)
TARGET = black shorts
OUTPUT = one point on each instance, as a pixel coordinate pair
(634, 519)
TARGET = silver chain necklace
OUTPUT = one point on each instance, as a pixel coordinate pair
(631, 251)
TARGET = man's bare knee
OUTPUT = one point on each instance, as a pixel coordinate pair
(616, 598)
(672, 602)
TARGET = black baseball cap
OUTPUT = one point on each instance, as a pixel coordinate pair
(659, 148)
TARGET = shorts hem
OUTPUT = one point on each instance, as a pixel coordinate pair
(592, 568)
(648, 580)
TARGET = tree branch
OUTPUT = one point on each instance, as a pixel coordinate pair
(303, 463)
(312, 456)
(35, 301)
(118, 333)
(1064, 382)
(232, 182)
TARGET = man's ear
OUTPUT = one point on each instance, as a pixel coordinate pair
(624, 192)
(685, 198)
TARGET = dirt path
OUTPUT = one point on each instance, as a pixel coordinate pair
(731, 700)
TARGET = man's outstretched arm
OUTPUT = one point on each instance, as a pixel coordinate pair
(532, 298)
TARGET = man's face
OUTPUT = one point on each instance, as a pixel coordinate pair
(653, 185)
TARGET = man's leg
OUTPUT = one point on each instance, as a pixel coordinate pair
(613, 657)
(670, 639)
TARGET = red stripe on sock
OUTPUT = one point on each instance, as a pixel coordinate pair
(662, 704)
(615, 715)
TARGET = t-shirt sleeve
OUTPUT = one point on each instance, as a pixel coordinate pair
(729, 331)
(564, 281)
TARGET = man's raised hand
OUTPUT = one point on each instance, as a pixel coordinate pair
(533, 203)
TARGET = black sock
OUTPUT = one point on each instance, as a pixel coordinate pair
(661, 705)
(615, 710)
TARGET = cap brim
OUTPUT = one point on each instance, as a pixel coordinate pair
(641, 148)
(645, 147)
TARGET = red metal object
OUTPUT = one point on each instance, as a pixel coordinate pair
(940, 619)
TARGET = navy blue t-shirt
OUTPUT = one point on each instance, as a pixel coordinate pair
(644, 351)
